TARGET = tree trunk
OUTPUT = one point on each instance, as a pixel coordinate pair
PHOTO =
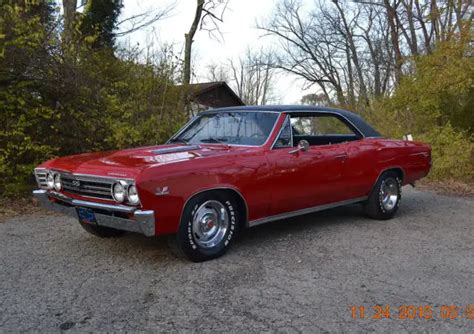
(423, 25)
(411, 39)
(189, 42)
(69, 7)
(352, 49)
(350, 79)
(394, 36)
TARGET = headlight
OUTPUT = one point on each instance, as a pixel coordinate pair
(133, 195)
(50, 180)
(57, 181)
(118, 192)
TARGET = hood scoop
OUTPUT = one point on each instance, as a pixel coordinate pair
(177, 149)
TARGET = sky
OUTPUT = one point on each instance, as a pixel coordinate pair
(238, 33)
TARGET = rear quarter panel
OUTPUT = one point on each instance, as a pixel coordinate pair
(413, 158)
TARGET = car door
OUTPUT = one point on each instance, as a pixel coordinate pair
(301, 178)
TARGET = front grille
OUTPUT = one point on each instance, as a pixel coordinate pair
(40, 175)
(89, 186)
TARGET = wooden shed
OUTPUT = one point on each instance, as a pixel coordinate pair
(213, 95)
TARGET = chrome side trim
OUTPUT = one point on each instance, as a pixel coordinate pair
(140, 221)
(305, 211)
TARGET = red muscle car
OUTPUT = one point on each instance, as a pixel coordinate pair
(233, 168)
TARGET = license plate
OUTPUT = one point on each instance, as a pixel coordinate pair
(86, 216)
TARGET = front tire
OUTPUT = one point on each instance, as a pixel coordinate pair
(208, 226)
(385, 198)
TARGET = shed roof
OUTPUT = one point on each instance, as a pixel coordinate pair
(214, 94)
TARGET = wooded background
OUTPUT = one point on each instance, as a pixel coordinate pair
(66, 87)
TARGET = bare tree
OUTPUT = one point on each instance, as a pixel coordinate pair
(354, 50)
(394, 36)
(311, 48)
(207, 15)
(216, 72)
(142, 20)
(188, 42)
(252, 76)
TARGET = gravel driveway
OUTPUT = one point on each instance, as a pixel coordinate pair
(298, 275)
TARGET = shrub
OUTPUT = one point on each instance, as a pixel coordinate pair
(453, 154)
(53, 103)
(435, 105)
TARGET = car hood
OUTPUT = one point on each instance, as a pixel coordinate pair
(130, 162)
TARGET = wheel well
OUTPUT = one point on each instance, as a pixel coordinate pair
(396, 170)
(241, 204)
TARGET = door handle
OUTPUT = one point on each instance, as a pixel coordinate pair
(341, 157)
(318, 154)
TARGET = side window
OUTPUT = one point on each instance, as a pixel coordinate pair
(321, 129)
(320, 126)
(285, 138)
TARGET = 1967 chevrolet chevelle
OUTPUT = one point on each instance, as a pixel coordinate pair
(233, 168)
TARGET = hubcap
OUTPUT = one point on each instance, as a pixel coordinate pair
(210, 224)
(389, 193)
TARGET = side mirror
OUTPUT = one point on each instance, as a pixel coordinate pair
(303, 146)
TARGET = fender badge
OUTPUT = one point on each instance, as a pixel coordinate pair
(162, 191)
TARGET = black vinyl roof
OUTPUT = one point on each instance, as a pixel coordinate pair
(358, 122)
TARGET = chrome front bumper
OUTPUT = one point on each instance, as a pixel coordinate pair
(106, 215)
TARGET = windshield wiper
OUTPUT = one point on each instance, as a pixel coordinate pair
(179, 140)
(214, 140)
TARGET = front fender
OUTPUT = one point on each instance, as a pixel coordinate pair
(166, 191)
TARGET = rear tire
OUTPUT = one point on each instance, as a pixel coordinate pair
(208, 227)
(102, 231)
(385, 197)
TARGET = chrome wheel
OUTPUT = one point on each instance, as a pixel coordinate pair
(389, 193)
(210, 224)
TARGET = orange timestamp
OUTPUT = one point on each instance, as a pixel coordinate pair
(411, 312)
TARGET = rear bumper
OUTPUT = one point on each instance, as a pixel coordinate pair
(106, 215)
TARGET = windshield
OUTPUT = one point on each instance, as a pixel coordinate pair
(230, 128)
